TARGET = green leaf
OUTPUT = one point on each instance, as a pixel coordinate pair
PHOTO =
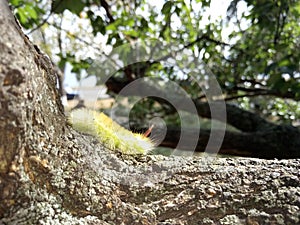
(297, 96)
(14, 2)
(271, 67)
(30, 11)
(177, 11)
(22, 16)
(166, 9)
(274, 78)
(284, 62)
(62, 62)
(131, 33)
(129, 22)
(111, 27)
(277, 82)
(98, 25)
(75, 6)
(144, 23)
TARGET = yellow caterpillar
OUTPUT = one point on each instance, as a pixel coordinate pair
(111, 134)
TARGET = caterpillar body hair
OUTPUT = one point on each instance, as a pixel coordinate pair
(110, 133)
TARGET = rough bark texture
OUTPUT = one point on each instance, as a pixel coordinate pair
(50, 174)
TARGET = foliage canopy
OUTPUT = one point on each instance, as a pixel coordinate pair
(253, 52)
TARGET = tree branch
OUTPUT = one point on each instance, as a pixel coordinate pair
(243, 120)
(251, 92)
(260, 144)
(106, 7)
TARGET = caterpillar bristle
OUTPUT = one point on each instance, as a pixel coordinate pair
(110, 133)
(83, 121)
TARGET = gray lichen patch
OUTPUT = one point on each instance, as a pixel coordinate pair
(43, 208)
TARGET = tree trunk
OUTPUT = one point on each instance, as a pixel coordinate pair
(50, 174)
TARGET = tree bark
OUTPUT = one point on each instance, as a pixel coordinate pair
(50, 174)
